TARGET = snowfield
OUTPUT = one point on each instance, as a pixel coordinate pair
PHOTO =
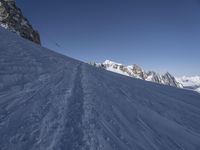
(191, 83)
(52, 102)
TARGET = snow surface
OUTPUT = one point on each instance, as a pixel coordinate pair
(52, 102)
(192, 83)
(198, 89)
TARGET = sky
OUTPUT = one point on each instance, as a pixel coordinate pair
(159, 35)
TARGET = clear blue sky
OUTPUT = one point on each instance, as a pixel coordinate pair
(160, 35)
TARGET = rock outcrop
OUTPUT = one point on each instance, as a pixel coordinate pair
(12, 19)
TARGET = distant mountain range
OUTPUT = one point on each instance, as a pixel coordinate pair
(137, 72)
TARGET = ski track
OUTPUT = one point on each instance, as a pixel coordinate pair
(72, 137)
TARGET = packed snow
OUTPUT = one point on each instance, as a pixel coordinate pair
(52, 102)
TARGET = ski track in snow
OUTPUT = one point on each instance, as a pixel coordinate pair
(52, 102)
(72, 137)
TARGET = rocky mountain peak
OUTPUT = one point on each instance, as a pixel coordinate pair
(135, 68)
(138, 71)
(12, 19)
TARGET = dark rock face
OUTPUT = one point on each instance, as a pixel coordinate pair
(169, 79)
(154, 77)
(12, 19)
(166, 79)
(138, 71)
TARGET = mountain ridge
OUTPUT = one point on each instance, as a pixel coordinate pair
(137, 72)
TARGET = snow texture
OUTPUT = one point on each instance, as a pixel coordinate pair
(52, 102)
(192, 83)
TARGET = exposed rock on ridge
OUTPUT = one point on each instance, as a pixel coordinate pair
(12, 19)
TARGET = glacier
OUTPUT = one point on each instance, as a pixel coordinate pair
(49, 101)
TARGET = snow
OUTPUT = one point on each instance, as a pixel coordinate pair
(114, 67)
(192, 82)
(189, 81)
(198, 89)
(109, 62)
(49, 101)
(4, 25)
(117, 70)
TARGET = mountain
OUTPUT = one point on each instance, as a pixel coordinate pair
(192, 83)
(12, 19)
(49, 101)
(137, 72)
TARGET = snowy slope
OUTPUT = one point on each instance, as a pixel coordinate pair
(192, 83)
(52, 102)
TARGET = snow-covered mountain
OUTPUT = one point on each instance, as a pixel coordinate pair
(137, 72)
(12, 19)
(192, 83)
(52, 102)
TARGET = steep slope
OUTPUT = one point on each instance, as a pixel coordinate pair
(12, 19)
(52, 102)
(192, 83)
(137, 72)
